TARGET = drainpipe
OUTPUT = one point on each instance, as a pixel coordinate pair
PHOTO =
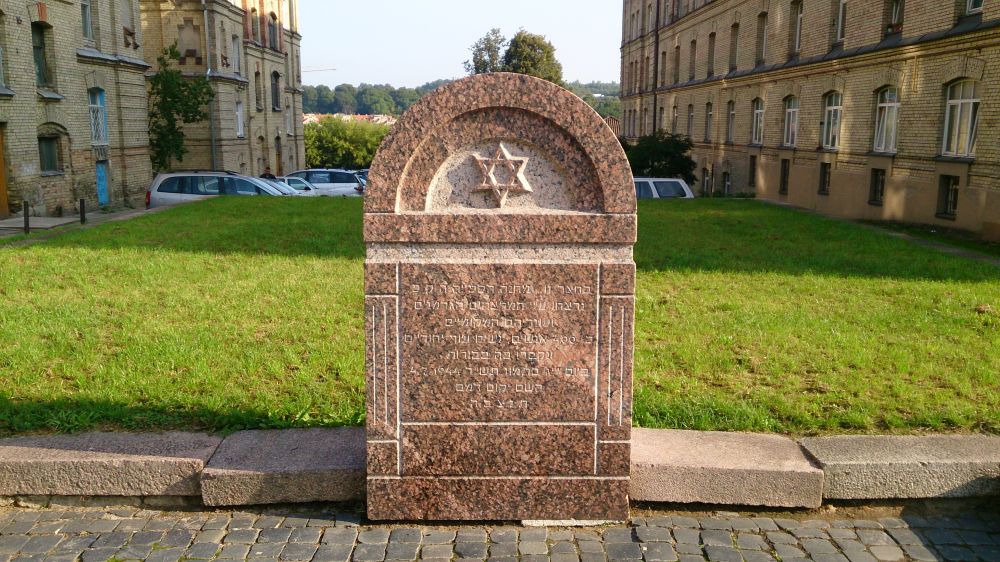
(208, 75)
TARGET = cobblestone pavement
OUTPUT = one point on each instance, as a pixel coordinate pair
(92, 535)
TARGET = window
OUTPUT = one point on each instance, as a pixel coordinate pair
(272, 32)
(643, 190)
(761, 39)
(693, 62)
(87, 18)
(791, 129)
(961, 119)
(258, 90)
(796, 28)
(255, 24)
(752, 171)
(757, 125)
(706, 182)
(98, 117)
(288, 119)
(842, 21)
(48, 153)
(236, 50)
(677, 64)
(669, 188)
(711, 54)
(886, 120)
(833, 111)
(786, 167)
(894, 22)
(730, 121)
(947, 197)
(709, 116)
(974, 6)
(38, 50)
(727, 183)
(663, 68)
(275, 91)
(690, 129)
(240, 121)
(825, 170)
(3, 72)
(734, 47)
(673, 121)
(876, 189)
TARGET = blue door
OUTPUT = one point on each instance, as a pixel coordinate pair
(102, 184)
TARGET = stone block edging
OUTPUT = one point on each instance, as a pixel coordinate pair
(302, 465)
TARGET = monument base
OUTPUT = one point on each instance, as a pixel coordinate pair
(497, 499)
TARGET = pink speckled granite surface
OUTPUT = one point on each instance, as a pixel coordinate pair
(500, 219)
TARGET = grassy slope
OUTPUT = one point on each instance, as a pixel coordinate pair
(241, 313)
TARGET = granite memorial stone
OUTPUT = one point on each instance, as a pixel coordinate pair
(499, 283)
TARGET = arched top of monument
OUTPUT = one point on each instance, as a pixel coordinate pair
(498, 123)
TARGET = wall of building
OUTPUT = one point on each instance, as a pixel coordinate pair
(872, 55)
(112, 60)
(239, 57)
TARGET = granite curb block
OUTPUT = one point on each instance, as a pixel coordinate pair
(105, 464)
(907, 466)
(722, 468)
(286, 466)
(301, 465)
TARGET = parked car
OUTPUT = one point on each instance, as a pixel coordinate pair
(332, 182)
(302, 186)
(662, 188)
(284, 188)
(182, 187)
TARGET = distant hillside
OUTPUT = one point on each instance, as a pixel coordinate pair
(384, 99)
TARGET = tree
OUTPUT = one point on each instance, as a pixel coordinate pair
(336, 143)
(373, 100)
(532, 54)
(344, 100)
(486, 55)
(174, 101)
(405, 97)
(662, 155)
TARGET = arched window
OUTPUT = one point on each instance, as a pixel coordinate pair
(693, 54)
(761, 39)
(50, 157)
(842, 21)
(893, 16)
(734, 47)
(673, 121)
(833, 110)
(709, 117)
(961, 118)
(236, 58)
(791, 129)
(677, 64)
(690, 129)
(730, 121)
(255, 24)
(98, 117)
(272, 31)
(886, 119)
(757, 125)
(258, 90)
(275, 91)
(711, 54)
(87, 19)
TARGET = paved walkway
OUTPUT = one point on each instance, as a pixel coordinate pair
(291, 535)
(94, 218)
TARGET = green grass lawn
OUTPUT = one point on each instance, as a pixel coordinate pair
(953, 237)
(244, 313)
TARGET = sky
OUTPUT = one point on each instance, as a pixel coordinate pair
(412, 42)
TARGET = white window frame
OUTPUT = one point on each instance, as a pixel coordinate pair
(886, 120)
(240, 120)
(98, 117)
(87, 19)
(833, 115)
(961, 119)
(798, 25)
(237, 57)
(974, 6)
(709, 118)
(791, 129)
(690, 123)
(673, 121)
(757, 125)
(842, 21)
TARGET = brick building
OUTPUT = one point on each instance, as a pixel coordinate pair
(72, 105)
(866, 109)
(250, 50)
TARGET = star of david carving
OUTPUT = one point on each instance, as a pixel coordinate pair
(511, 170)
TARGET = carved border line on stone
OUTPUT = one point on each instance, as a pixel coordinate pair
(382, 367)
(518, 91)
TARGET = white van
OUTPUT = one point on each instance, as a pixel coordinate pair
(662, 188)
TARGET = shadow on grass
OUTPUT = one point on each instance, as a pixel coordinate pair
(72, 415)
(735, 236)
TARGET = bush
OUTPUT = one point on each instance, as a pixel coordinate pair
(335, 143)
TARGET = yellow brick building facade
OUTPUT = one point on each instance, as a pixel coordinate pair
(250, 50)
(72, 106)
(868, 109)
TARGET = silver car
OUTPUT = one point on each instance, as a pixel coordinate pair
(182, 187)
(332, 182)
(304, 188)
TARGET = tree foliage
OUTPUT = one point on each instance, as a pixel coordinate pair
(335, 143)
(525, 53)
(173, 102)
(662, 155)
(345, 98)
(376, 100)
